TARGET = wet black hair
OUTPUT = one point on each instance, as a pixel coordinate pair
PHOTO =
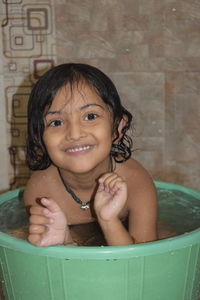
(43, 94)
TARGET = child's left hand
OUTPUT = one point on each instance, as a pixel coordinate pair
(110, 197)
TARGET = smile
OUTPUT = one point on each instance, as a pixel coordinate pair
(78, 149)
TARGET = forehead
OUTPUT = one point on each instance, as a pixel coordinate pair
(75, 96)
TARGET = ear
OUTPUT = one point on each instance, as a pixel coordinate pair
(121, 125)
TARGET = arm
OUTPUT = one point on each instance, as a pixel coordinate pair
(110, 198)
(47, 222)
(142, 206)
(115, 233)
(48, 225)
(143, 210)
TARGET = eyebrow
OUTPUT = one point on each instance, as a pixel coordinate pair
(91, 104)
(53, 112)
(58, 112)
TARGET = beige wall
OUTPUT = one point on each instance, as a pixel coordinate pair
(151, 50)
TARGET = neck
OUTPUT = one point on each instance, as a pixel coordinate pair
(85, 181)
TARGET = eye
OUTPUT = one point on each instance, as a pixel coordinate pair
(55, 123)
(91, 117)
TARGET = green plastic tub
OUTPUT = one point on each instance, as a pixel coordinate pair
(164, 270)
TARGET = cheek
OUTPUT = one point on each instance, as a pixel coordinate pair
(108, 137)
(50, 140)
(45, 138)
(105, 132)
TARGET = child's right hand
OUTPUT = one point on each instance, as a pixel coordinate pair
(48, 224)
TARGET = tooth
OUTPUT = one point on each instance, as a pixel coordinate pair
(78, 149)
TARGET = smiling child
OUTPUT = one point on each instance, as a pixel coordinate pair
(79, 148)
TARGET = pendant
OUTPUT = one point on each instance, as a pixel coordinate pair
(85, 205)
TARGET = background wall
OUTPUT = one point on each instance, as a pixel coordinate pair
(151, 50)
(28, 49)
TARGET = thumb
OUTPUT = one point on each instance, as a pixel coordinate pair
(50, 204)
(100, 187)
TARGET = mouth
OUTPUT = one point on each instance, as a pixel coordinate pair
(79, 149)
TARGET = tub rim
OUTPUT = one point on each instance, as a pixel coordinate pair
(106, 252)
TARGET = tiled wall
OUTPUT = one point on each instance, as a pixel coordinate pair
(151, 50)
(28, 49)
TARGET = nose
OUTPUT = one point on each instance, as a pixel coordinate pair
(74, 131)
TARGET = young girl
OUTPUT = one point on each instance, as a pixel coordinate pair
(85, 184)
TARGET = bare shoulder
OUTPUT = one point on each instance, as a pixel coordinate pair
(135, 173)
(141, 202)
(38, 185)
(140, 183)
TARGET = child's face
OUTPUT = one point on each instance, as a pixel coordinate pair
(78, 129)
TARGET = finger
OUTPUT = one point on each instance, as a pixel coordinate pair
(110, 181)
(35, 239)
(40, 220)
(37, 229)
(106, 182)
(107, 178)
(50, 204)
(117, 184)
(114, 183)
(100, 187)
(40, 211)
(37, 210)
